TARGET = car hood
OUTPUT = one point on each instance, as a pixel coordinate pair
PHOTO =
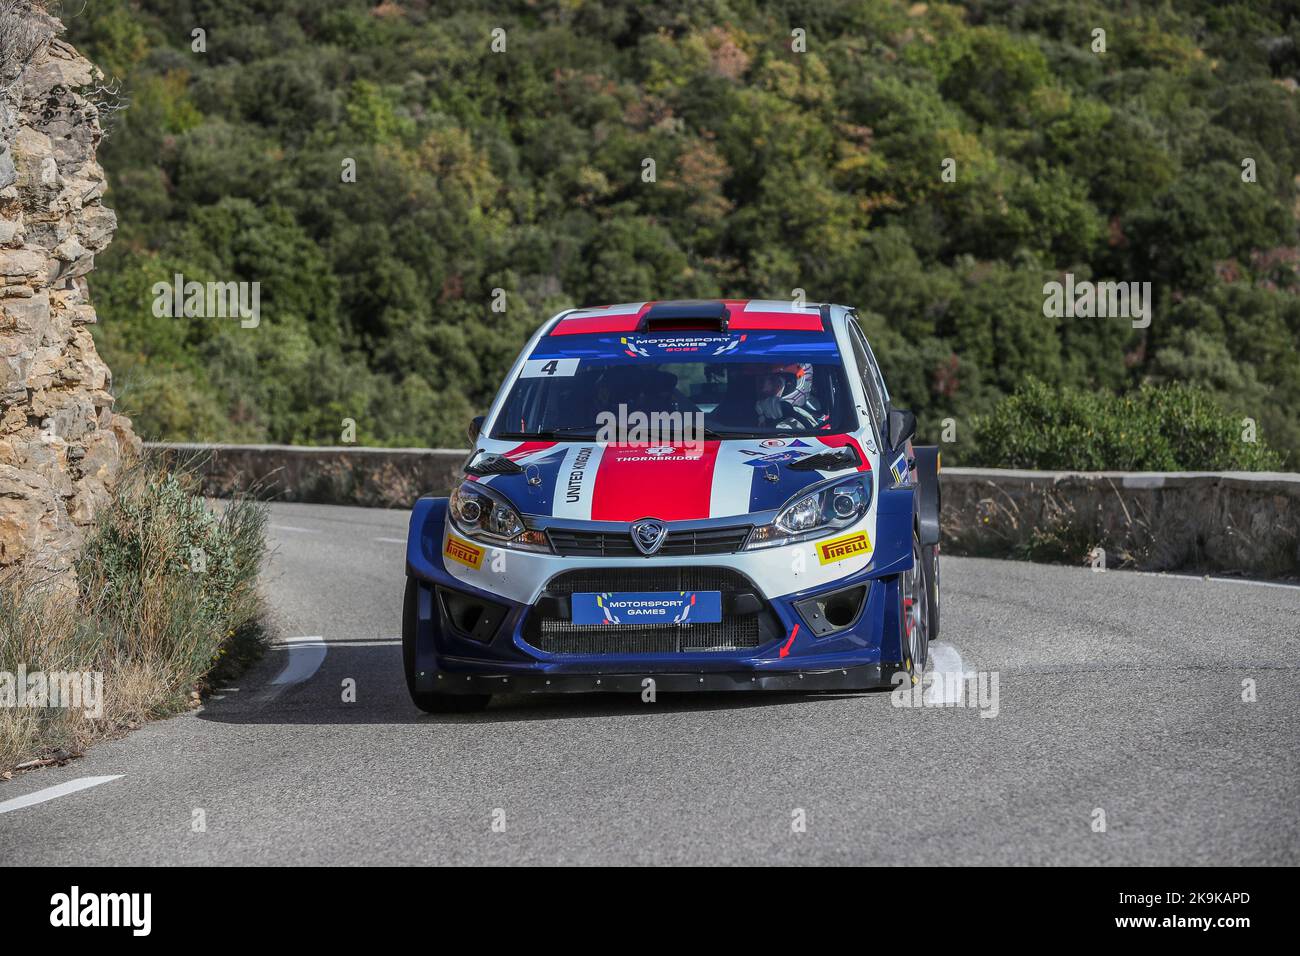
(594, 481)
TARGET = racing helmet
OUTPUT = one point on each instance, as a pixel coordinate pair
(798, 379)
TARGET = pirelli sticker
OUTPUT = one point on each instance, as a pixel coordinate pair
(837, 549)
(462, 552)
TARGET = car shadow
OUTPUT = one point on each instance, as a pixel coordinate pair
(364, 685)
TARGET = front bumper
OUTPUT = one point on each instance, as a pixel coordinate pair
(458, 653)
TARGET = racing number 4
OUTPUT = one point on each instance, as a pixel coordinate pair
(550, 368)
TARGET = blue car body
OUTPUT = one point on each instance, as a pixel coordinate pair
(487, 616)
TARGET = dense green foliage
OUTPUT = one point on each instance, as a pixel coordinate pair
(776, 170)
(1173, 427)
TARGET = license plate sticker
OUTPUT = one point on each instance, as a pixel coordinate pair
(647, 607)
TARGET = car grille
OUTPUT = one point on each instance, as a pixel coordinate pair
(557, 635)
(619, 544)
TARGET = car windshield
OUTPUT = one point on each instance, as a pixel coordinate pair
(748, 393)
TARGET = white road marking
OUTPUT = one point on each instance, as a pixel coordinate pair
(289, 527)
(1258, 584)
(1203, 578)
(944, 659)
(306, 654)
(392, 540)
(298, 642)
(50, 793)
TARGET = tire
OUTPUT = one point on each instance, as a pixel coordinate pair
(914, 614)
(929, 504)
(930, 556)
(431, 702)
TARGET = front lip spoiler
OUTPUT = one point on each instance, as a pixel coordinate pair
(858, 677)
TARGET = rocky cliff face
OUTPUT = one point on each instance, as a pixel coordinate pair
(61, 444)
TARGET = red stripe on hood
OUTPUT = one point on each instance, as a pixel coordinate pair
(784, 321)
(632, 484)
(601, 324)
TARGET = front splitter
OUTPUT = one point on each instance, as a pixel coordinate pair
(861, 677)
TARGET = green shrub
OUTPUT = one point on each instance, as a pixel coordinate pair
(160, 530)
(165, 593)
(1173, 427)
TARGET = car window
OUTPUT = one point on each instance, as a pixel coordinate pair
(786, 393)
(875, 399)
(873, 364)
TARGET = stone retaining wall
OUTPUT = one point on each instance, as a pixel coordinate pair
(1246, 522)
(61, 444)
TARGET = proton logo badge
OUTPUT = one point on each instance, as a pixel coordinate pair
(774, 443)
(648, 534)
(660, 450)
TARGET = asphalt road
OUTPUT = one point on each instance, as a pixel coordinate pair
(1118, 693)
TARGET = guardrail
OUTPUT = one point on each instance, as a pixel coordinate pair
(1246, 522)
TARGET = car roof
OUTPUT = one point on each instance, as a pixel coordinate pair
(689, 314)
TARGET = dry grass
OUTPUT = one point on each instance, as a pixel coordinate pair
(139, 612)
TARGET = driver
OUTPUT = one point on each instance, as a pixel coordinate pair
(778, 396)
(794, 391)
(770, 406)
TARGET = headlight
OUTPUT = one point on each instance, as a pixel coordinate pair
(480, 513)
(816, 513)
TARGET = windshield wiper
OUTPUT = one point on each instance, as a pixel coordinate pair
(545, 435)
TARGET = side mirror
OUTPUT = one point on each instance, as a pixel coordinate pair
(902, 426)
(475, 426)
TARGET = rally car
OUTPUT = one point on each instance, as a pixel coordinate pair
(680, 496)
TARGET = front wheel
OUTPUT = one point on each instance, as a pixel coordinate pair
(431, 702)
(930, 557)
(914, 613)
